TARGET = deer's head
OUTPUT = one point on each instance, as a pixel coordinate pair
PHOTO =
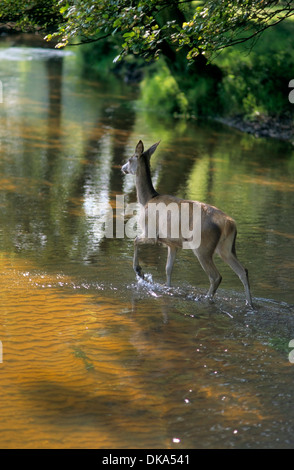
(133, 162)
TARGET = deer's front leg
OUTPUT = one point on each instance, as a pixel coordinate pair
(137, 268)
(172, 251)
(141, 240)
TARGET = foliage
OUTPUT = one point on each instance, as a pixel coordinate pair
(258, 88)
(150, 27)
(30, 15)
(258, 83)
(160, 91)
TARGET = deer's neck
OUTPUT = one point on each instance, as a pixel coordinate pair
(144, 186)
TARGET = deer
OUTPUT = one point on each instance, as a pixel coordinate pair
(217, 230)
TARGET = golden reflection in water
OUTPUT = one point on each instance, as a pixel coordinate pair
(62, 379)
(290, 236)
(82, 371)
(283, 186)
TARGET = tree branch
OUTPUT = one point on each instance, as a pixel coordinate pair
(88, 41)
(256, 33)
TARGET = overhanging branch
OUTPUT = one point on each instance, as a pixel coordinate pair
(256, 33)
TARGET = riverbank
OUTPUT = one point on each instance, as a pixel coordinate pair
(279, 127)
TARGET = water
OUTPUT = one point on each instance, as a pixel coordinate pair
(92, 357)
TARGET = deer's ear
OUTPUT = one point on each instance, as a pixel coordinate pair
(139, 148)
(152, 149)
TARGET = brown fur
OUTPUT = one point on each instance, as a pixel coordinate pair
(218, 230)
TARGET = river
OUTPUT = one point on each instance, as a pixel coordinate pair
(90, 356)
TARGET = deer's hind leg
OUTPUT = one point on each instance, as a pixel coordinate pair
(227, 252)
(206, 260)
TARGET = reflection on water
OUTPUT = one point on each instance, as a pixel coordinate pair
(93, 358)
